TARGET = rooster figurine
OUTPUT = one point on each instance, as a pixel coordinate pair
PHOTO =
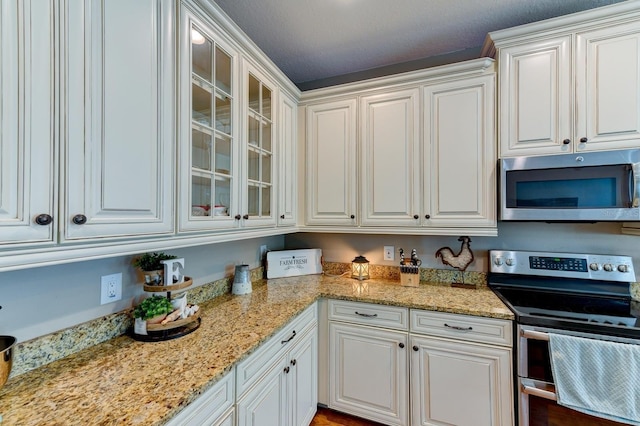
(459, 261)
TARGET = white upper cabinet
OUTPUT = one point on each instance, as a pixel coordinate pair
(259, 154)
(390, 158)
(117, 85)
(460, 154)
(570, 84)
(28, 147)
(209, 175)
(288, 171)
(331, 163)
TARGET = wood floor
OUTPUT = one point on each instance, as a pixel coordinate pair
(326, 417)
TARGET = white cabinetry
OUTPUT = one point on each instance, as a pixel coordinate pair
(570, 84)
(214, 407)
(368, 364)
(390, 158)
(331, 163)
(28, 147)
(278, 384)
(288, 160)
(460, 370)
(118, 118)
(460, 154)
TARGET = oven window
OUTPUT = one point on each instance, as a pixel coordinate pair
(572, 187)
(544, 412)
(538, 361)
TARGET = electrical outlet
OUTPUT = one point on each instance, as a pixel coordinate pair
(110, 288)
(389, 253)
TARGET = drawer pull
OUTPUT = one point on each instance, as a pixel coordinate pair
(293, 362)
(286, 370)
(290, 338)
(455, 327)
(366, 315)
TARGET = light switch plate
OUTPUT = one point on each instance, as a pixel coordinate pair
(110, 288)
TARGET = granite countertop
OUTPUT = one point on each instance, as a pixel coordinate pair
(124, 381)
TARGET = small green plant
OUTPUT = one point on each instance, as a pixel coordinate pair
(152, 307)
(151, 261)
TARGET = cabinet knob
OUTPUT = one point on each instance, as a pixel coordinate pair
(415, 216)
(293, 362)
(281, 216)
(401, 345)
(427, 216)
(566, 141)
(245, 217)
(237, 217)
(415, 348)
(583, 140)
(43, 219)
(286, 369)
(353, 216)
(79, 219)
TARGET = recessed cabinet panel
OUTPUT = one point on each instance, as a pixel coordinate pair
(535, 97)
(390, 131)
(287, 179)
(608, 91)
(331, 163)
(460, 187)
(110, 144)
(28, 158)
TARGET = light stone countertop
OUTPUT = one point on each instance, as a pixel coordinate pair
(123, 381)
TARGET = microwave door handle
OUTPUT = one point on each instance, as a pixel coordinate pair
(634, 179)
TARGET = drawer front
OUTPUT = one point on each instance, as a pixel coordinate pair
(250, 370)
(209, 406)
(369, 314)
(462, 327)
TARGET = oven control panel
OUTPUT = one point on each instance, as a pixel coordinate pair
(569, 265)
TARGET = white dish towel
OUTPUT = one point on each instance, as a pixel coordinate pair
(597, 377)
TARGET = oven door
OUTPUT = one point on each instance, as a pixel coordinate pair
(536, 390)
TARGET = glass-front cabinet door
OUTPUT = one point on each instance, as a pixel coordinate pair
(258, 195)
(208, 135)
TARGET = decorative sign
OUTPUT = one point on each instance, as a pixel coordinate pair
(291, 263)
(173, 271)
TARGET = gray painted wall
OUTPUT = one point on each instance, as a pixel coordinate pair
(39, 301)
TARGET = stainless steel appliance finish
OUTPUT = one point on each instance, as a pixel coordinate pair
(582, 295)
(581, 187)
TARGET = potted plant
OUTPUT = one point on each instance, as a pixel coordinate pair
(153, 309)
(152, 267)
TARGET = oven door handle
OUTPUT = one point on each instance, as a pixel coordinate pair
(534, 335)
(529, 387)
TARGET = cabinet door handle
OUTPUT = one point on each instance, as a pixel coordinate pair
(427, 216)
(79, 219)
(43, 219)
(401, 345)
(415, 348)
(293, 362)
(455, 327)
(286, 369)
(245, 217)
(366, 315)
(281, 216)
(583, 140)
(353, 216)
(290, 338)
(566, 141)
(237, 217)
(415, 216)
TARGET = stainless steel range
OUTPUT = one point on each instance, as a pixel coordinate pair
(582, 295)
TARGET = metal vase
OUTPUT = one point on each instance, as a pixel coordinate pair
(241, 280)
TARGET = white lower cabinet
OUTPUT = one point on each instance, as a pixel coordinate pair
(214, 407)
(368, 364)
(278, 385)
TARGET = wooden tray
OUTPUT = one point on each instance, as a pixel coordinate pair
(174, 324)
(168, 288)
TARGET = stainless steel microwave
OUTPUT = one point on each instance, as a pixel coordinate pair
(582, 187)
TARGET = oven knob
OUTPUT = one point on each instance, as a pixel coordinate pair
(594, 267)
(509, 262)
(497, 261)
(623, 268)
(607, 267)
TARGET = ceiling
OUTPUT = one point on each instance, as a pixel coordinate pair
(319, 43)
